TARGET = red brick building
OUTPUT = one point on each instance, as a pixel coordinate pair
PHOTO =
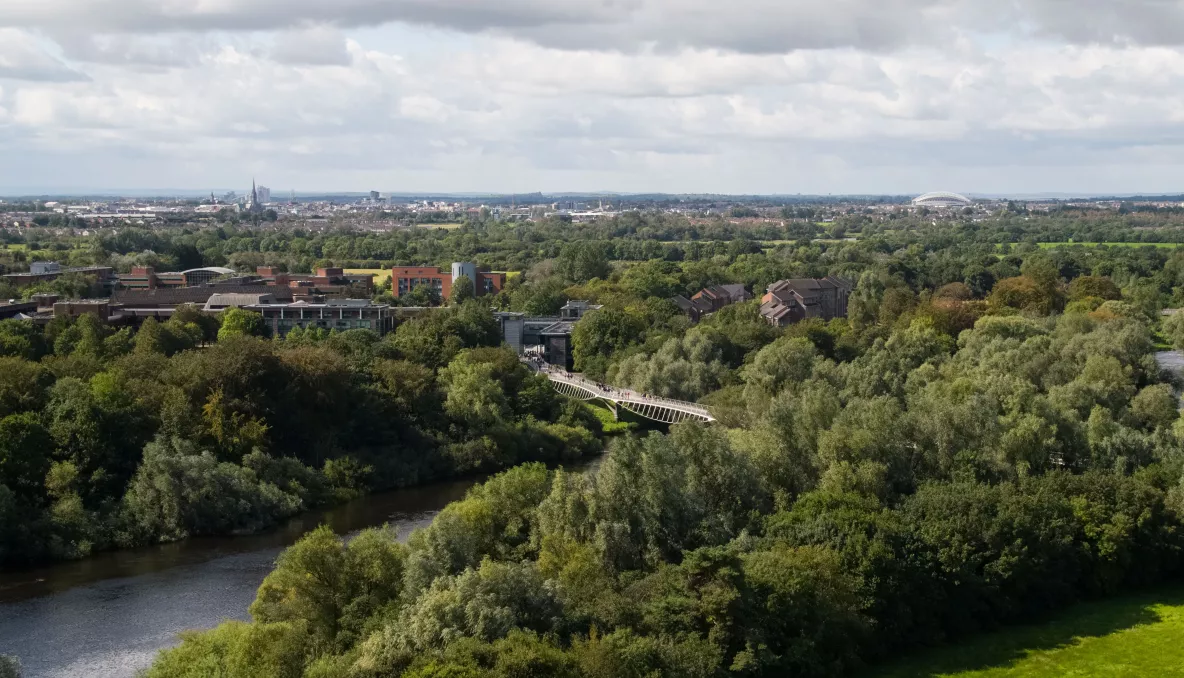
(404, 279)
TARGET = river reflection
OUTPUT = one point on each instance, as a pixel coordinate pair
(108, 616)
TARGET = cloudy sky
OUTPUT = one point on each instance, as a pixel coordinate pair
(736, 96)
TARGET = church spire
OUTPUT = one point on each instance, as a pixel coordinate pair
(254, 206)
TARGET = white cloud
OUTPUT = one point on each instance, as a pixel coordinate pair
(312, 46)
(24, 57)
(695, 95)
(742, 25)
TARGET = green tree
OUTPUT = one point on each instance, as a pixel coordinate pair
(474, 396)
(237, 322)
(25, 448)
(1093, 286)
(1173, 327)
(236, 650)
(21, 340)
(599, 334)
(462, 290)
(580, 262)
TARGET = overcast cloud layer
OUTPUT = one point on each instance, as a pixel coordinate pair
(744, 96)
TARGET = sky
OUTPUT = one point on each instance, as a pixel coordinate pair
(677, 96)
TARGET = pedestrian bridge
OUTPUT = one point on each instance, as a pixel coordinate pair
(650, 407)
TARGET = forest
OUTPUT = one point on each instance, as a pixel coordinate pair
(201, 425)
(985, 439)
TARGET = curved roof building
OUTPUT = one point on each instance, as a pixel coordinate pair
(942, 199)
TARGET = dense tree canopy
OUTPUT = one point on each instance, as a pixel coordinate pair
(986, 437)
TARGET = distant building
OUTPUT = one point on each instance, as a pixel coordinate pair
(333, 314)
(791, 301)
(17, 309)
(405, 279)
(467, 269)
(718, 296)
(575, 310)
(711, 299)
(694, 309)
(74, 309)
(549, 337)
(161, 302)
(221, 302)
(329, 282)
(48, 271)
(942, 199)
(253, 205)
(146, 277)
(557, 344)
(263, 195)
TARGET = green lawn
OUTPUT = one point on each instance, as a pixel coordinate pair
(1162, 245)
(610, 424)
(380, 274)
(1139, 635)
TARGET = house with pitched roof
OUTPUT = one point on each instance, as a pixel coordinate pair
(791, 301)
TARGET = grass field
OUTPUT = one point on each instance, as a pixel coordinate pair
(380, 274)
(611, 425)
(1161, 245)
(1139, 635)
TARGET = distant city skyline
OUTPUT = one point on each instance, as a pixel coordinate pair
(671, 96)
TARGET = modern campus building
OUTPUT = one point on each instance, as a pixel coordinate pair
(332, 282)
(48, 271)
(333, 314)
(405, 279)
(549, 337)
(146, 278)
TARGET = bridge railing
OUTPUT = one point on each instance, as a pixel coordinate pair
(623, 395)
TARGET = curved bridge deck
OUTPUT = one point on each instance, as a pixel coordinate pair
(654, 408)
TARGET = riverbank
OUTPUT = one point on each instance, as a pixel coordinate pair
(108, 615)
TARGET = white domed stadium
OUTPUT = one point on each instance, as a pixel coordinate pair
(942, 199)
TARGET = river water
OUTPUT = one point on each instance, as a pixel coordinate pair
(108, 616)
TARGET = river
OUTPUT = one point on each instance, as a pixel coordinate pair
(107, 616)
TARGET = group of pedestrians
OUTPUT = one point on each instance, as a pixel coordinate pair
(543, 366)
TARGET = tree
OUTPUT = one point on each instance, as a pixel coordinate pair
(150, 338)
(25, 448)
(1173, 326)
(236, 650)
(462, 290)
(180, 491)
(580, 262)
(785, 362)
(1155, 406)
(1022, 294)
(474, 396)
(601, 333)
(21, 340)
(23, 386)
(237, 322)
(1093, 286)
(9, 667)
